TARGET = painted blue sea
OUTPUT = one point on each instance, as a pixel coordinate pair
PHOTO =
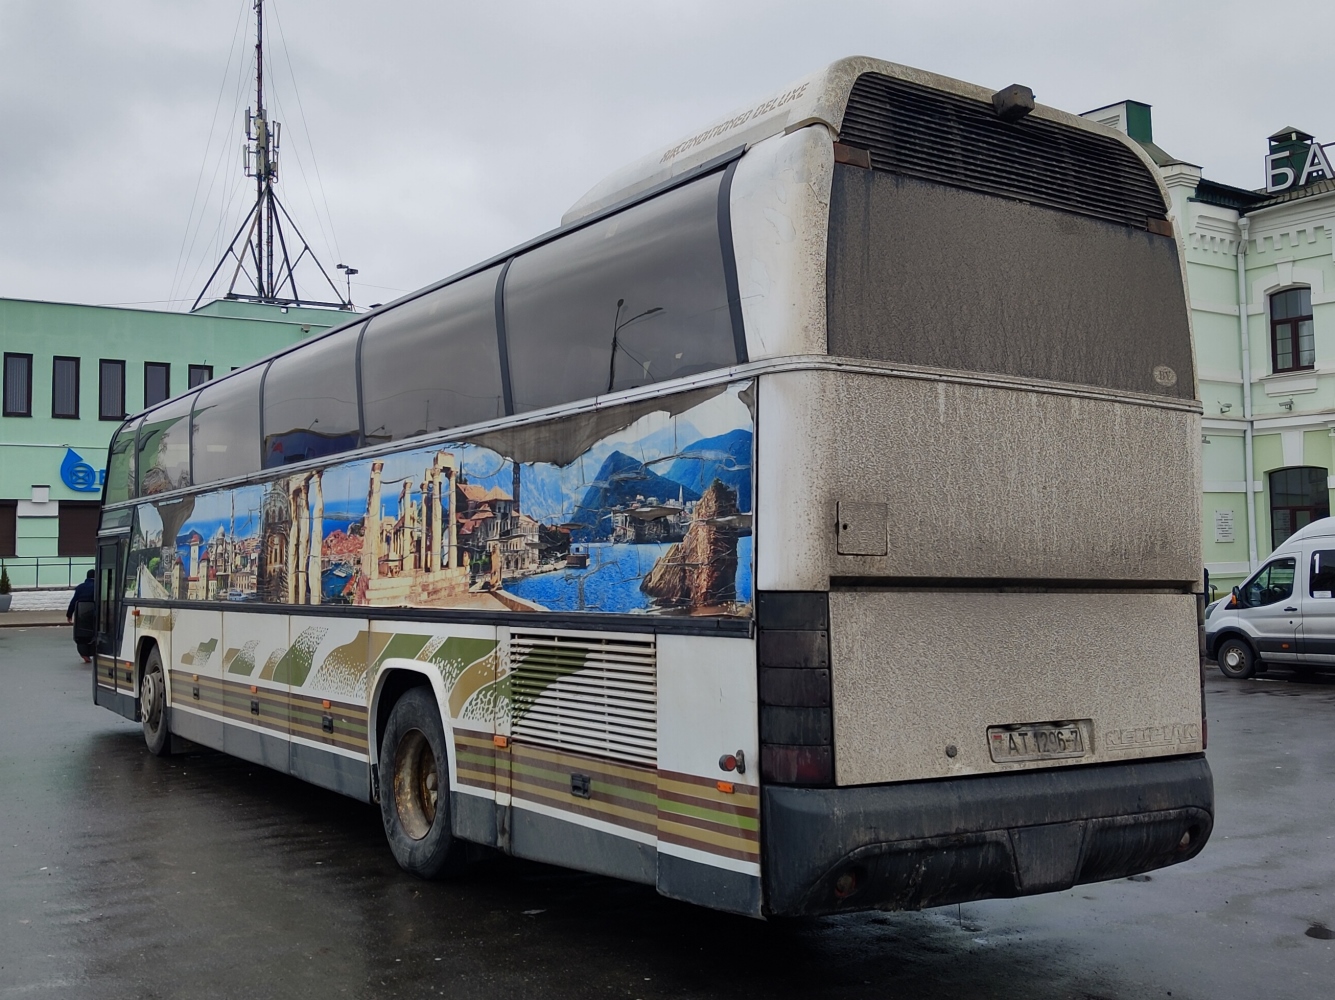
(612, 581)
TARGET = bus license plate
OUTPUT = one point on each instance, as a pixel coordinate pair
(1038, 741)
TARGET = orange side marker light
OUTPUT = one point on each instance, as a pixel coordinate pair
(501, 741)
(254, 689)
(327, 703)
(725, 786)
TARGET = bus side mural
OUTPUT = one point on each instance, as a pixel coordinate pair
(651, 515)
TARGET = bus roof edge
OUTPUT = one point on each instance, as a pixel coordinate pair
(819, 98)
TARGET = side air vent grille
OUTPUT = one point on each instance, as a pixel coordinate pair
(585, 692)
(923, 133)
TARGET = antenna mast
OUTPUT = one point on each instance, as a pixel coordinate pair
(262, 266)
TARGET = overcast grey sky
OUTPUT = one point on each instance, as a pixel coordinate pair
(445, 132)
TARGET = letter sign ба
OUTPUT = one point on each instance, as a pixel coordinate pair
(1277, 178)
(1316, 164)
(1280, 176)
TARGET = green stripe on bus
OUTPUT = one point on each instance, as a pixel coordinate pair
(711, 815)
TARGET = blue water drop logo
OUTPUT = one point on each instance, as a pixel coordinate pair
(77, 474)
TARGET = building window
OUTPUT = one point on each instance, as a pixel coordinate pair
(111, 390)
(157, 383)
(1291, 344)
(18, 385)
(65, 388)
(1297, 498)
(8, 528)
(78, 527)
(199, 374)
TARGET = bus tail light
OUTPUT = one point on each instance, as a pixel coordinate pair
(789, 765)
(796, 720)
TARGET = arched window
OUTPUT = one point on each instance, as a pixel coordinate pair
(1297, 498)
(1292, 347)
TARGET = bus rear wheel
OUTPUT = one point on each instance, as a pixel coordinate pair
(1236, 659)
(153, 705)
(415, 788)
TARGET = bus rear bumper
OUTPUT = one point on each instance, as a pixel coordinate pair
(932, 843)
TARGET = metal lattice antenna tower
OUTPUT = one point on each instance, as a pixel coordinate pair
(263, 270)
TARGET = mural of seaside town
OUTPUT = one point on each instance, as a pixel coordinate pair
(651, 514)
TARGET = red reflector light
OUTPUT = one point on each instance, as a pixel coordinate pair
(797, 765)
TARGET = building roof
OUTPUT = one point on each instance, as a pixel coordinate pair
(481, 494)
(1312, 190)
(1290, 134)
(306, 319)
(1227, 196)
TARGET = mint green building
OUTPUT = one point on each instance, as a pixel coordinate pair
(71, 374)
(1261, 279)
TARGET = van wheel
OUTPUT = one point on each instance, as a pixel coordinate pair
(153, 705)
(1236, 659)
(415, 789)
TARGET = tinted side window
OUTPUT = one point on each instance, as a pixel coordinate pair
(164, 447)
(433, 363)
(310, 401)
(120, 465)
(1273, 583)
(648, 280)
(227, 427)
(1323, 574)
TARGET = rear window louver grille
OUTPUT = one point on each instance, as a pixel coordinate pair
(923, 133)
(596, 695)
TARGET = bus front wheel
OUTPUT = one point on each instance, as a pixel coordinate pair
(415, 788)
(153, 705)
(1236, 659)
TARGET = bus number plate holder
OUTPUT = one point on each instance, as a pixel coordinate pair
(1039, 741)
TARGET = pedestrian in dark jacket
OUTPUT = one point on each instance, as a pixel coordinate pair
(83, 613)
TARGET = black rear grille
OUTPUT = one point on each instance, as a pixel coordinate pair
(953, 140)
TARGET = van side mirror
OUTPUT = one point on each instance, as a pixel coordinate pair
(1236, 600)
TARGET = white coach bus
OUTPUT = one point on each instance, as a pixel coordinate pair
(808, 524)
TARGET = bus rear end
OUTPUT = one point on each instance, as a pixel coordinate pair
(978, 529)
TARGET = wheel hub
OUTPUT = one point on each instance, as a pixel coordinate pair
(150, 696)
(416, 784)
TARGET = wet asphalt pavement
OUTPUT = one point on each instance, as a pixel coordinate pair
(125, 875)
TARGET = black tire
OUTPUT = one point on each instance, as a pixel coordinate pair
(153, 705)
(1236, 659)
(415, 789)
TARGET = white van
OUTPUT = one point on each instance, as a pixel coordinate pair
(1284, 614)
